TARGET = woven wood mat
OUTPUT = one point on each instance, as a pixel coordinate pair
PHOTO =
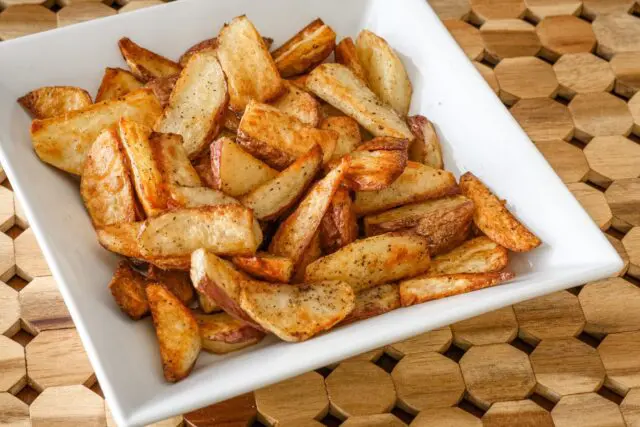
(569, 72)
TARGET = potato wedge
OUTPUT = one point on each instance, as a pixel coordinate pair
(348, 134)
(416, 291)
(376, 164)
(278, 138)
(182, 263)
(375, 301)
(177, 331)
(147, 177)
(121, 238)
(373, 261)
(295, 232)
(299, 81)
(198, 103)
(274, 197)
(297, 312)
(144, 64)
(177, 282)
(310, 254)
(385, 72)
(299, 104)
(446, 229)
(308, 48)
(162, 88)
(232, 121)
(127, 288)
(478, 255)
(210, 44)
(172, 161)
(338, 86)
(251, 72)
(494, 219)
(116, 83)
(207, 304)
(418, 182)
(202, 165)
(52, 101)
(266, 266)
(347, 55)
(64, 141)
(425, 148)
(223, 334)
(223, 229)
(339, 226)
(235, 171)
(105, 185)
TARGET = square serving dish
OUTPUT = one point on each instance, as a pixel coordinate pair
(478, 134)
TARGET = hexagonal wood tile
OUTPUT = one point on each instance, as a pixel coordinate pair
(467, 36)
(619, 353)
(445, 417)
(73, 405)
(630, 408)
(631, 243)
(488, 75)
(451, 9)
(611, 158)
(42, 306)
(594, 8)
(437, 340)
(564, 34)
(540, 9)
(567, 160)
(21, 218)
(626, 67)
(7, 257)
(7, 209)
(610, 305)
(583, 73)
(13, 411)
(499, 326)
(524, 78)
(623, 197)
(10, 312)
(600, 114)
(616, 32)
(488, 10)
(139, 4)
(30, 262)
(543, 119)
(237, 411)
(586, 410)
(619, 247)
(594, 202)
(12, 366)
(83, 12)
(518, 413)
(380, 420)
(23, 19)
(508, 38)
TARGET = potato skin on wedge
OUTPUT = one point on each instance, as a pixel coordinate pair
(310, 254)
(374, 301)
(223, 334)
(116, 83)
(121, 238)
(128, 290)
(266, 266)
(172, 161)
(177, 282)
(299, 104)
(52, 101)
(479, 255)
(144, 64)
(339, 226)
(347, 55)
(297, 312)
(162, 88)
(426, 147)
(348, 134)
(494, 219)
(376, 164)
(177, 332)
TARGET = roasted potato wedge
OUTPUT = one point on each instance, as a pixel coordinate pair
(348, 134)
(232, 121)
(182, 263)
(144, 64)
(310, 254)
(207, 304)
(121, 238)
(172, 161)
(194, 197)
(116, 83)
(339, 226)
(418, 182)
(54, 101)
(127, 288)
(198, 103)
(250, 70)
(373, 261)
(494, 219)
(63, 141)
(478, 255)
(338, 86)
(177, 282)
(375, 301)
(202, 165)
(105, 185)
(426, 147)
(299, 81)
(266, 266)
(301, 311)
(347, 55)
(162, 88)
(299, 104)
(308, 48)
(416, 291)
(376, 164)
(235, 171)
(295, 233)
(446, 229)
(278, 138)
(222, 229)
(223, 334)
(177, 331)
(274, 197)
(385, 72)
(204, 45)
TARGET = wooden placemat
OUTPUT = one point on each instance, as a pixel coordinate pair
(569, 71)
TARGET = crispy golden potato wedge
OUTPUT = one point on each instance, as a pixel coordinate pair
(478, 255)
(339, 226)
(121, 238)
(374, 301)
(494, 219)
(299, 81)
(147, 177)
(172, 161)
(299, 104)
(373, 261)
(105, 185)
(210, 44)
(52, 101)
(348, 134)
(235, 171)
(202, 165)
(251, 72)
(223, 334)
(144, 64)
(310, 254)
(295, 233)
(385, 72)
(418, 182)
(116, 83)
(416, 291)
(338, 86)
(127, 288)
(347, 55)
(376, 164)
(223, 229)
(301, 311)
(308, 48)
(177, 331)
(63, 141)
(278, 138)
(198, 103)
(274, 197)
(162, 88)
(266, 266)
(176, 281)
(207, 304)
(182, 263)
(426, 147)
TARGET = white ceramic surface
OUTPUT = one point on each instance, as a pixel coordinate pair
(478, 132)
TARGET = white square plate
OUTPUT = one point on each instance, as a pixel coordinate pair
(478, 133)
